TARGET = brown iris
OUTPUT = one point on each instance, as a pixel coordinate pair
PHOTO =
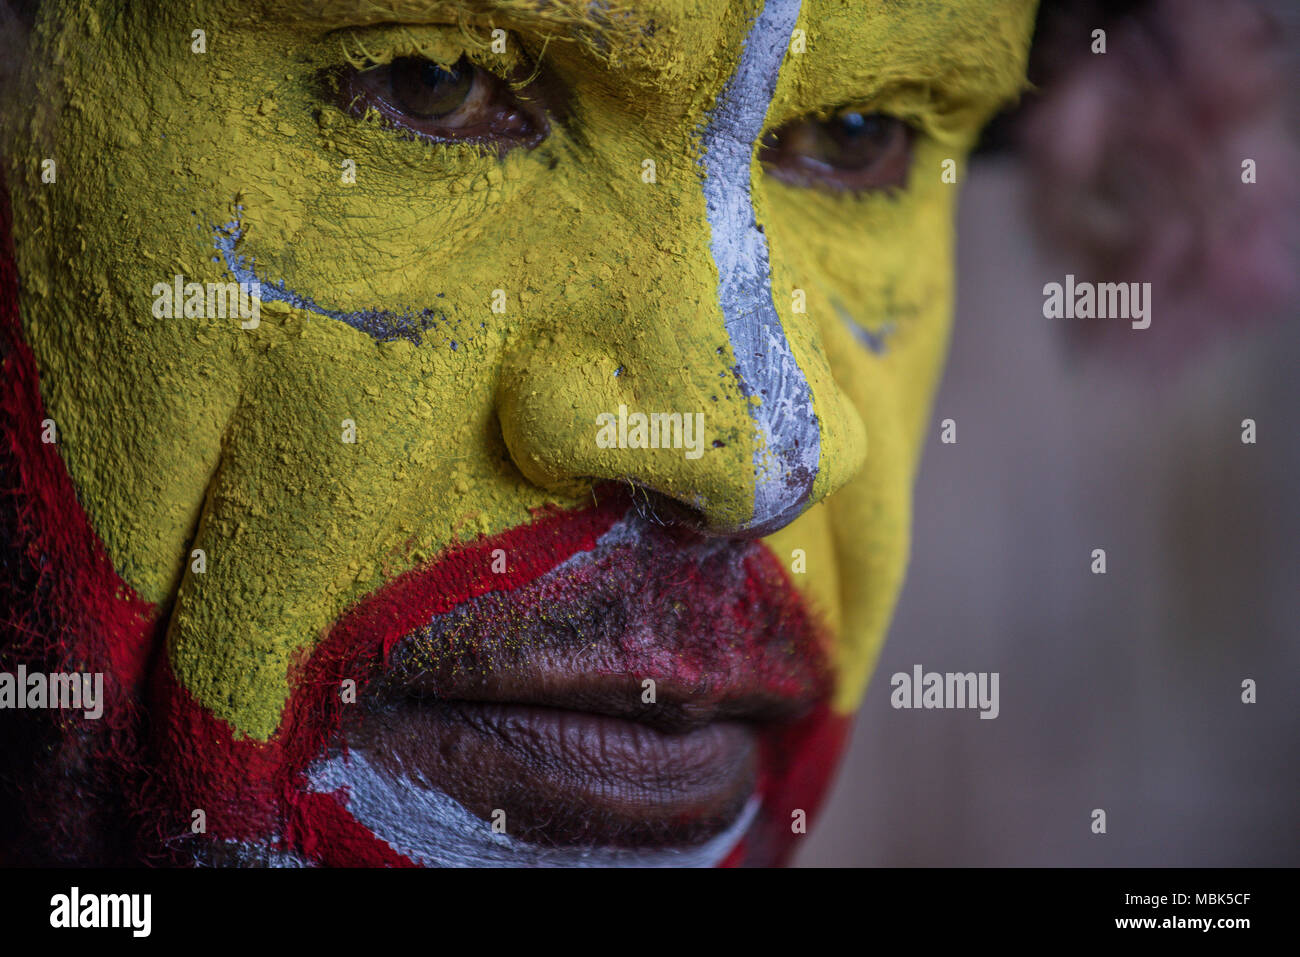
(424, 90)
(460, 103)
(852, 151)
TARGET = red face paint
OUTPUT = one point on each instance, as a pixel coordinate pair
(730, 636)
(714, 623)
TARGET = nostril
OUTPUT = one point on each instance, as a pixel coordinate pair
(660, 509)
(657, 508)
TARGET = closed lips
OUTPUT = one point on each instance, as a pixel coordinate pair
(572, 777)
(620, 699)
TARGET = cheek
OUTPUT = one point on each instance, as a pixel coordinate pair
(235, 442)
(806, 548)
(798, 767)
(879, 287)
(337, 474)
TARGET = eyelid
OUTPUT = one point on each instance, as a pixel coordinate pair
(370, 47)
(935, 110)
(932, 111)
(811, 161)
(507, 121)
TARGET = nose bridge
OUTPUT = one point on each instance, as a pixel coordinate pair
(708, 337)
(787, 446)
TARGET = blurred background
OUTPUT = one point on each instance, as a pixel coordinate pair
(1120, 691)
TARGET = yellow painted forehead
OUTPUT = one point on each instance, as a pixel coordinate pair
(650, 40)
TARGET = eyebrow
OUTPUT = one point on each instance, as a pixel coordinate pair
(971, 62)
(986, 70)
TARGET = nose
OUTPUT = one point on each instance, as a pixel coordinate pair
(692, 330)
(693, 389)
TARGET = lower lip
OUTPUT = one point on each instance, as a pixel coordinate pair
(570, 778)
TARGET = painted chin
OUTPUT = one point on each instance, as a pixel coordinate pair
(632, 703)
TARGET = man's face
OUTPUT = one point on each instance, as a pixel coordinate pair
(488, 237)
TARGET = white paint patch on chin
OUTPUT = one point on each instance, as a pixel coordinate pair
(433, 830)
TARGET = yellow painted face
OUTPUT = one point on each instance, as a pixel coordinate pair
(443, 324)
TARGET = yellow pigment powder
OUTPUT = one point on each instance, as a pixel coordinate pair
(194, 433)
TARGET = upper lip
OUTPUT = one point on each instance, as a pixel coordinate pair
(712, 623)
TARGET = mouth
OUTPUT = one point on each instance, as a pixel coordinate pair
(620, 705)
(588, 689)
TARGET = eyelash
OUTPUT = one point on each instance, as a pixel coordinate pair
(881, 143)
(851, 151)
(490, 114)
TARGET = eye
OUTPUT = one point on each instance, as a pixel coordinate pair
(463, 103)
(423, 90)
(851, 151)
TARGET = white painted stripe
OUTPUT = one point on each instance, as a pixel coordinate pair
(873, 341)
(433, 830)
(383, 325)
(788, 437)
